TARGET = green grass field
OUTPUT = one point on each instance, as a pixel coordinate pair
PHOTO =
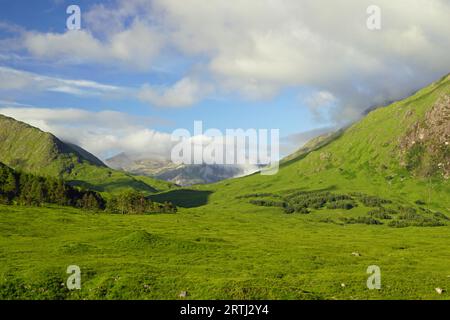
(215, 252)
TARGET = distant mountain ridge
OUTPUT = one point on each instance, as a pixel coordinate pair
(180, 174)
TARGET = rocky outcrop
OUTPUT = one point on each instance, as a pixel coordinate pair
(425, 148)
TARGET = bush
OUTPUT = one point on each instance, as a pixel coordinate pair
(269, 203)
(302, 210)
(373, 201)
(399, 224)
(134, 202)
(346, 205)
(440, 215)
(362, 220)
(408, 210)
(289, 210)
(379, 214)
(257, 195)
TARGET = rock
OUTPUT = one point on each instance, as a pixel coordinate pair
(439, 290)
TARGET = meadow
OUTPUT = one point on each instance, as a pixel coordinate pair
(216, 252)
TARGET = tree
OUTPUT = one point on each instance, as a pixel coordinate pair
(36, 192)
(10, 186)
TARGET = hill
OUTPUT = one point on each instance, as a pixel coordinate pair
(26, 148)
(400, 151)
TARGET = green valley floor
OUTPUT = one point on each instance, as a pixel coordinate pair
(216, 252)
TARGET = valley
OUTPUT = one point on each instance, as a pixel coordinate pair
(375, 193)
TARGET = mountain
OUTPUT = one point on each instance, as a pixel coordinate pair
(26, 148)
(187, 175)
(398, 151)
(140, 165)
(180, 174)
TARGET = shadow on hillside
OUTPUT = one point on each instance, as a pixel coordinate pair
(183, 198)
(84, 185)
(117, 184)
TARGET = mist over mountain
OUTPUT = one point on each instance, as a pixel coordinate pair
(180, 174)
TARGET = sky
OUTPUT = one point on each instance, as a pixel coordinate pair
(139, 69)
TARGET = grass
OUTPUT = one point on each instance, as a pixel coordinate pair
(109, 181)
(212, 253)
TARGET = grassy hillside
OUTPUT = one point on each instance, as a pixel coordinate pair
(29, 149)
(400, 151)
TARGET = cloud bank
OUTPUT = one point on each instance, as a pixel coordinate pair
(259, 48)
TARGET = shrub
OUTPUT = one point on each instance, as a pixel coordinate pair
(302, 210)
(399, 224)
(134, 202)
(440, 215)
(269, 203)
(362, 220)
(373, 201)
(347, 205)
(257, 195)
(289, 210)
(379, 214)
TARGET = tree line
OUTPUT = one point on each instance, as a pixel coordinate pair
(27, 189)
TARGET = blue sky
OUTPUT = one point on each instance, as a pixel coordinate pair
(257, 64)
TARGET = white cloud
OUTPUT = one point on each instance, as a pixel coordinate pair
(136, 46)
(320, 103)
(258, 48)
(185, 92)
(320, 99)
(293, 142)
(12, 79)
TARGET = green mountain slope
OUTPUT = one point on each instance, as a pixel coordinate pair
(29, 149)
(313, 144)
(400, 151)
